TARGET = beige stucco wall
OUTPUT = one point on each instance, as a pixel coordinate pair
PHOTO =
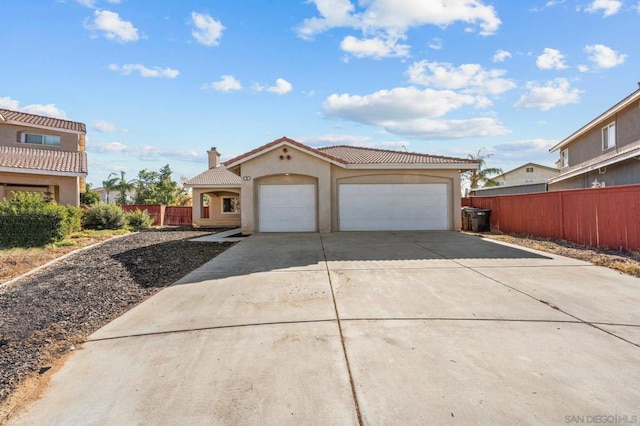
(64, 188)
(304, 168)
(10, 136)
(216, 217)
(269, 168)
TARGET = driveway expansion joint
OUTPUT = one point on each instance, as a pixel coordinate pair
(344, 347)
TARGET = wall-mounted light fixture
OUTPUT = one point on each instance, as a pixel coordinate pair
(246, 177)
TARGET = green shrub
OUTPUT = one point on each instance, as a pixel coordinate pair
(74, 219)
(138, 219)
(104, 216)
(27, 220)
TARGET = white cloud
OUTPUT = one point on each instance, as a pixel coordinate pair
(387, 21)
(401, 103)
(145, 152)
(48, 110)
(608, 7)
(281, 87)
(412, 112)
(526, 146)
(425, 128)
(113, 27)
(436, 44)
(374, 47)
(207, 30)
(87, 3)
(501, 55)
(155, 72)
(551, 59)
(106, 127)
(227, 83)
(554, 93)
(470, 78)
(603, 56)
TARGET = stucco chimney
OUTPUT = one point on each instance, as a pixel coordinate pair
(214, 158)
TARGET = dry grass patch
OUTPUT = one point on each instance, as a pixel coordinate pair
(17, 261)
(625, 262)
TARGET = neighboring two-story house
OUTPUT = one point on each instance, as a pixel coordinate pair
(604, 152)
(526, 174)
(528, 178)
(42, 154)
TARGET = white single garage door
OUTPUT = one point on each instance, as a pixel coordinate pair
(393, 207)
(287, 208)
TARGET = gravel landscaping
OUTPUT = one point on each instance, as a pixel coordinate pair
(45, 315)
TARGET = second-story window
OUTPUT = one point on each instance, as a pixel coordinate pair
(529, 170)
(49, 140)
(564, 158)
(609, 136)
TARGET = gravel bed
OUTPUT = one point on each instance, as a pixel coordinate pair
(45, 315)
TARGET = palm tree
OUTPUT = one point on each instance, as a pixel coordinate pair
(110, 184)
(484, 175)
(123, 186)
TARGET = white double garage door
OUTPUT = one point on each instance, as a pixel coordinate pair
(361, 207)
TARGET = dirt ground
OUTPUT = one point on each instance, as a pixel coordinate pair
(625, 262)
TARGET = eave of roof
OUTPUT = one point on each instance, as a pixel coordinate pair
(41, 122)
(218, 177)
(585, 168)
(590, 125)
(277, 144)
(351, 157)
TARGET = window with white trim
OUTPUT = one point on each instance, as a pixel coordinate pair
(564, 158)
(37, 139)
(230, 205)
(609, 136)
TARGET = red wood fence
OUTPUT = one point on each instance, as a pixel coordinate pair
(599, 217)
(178, 216)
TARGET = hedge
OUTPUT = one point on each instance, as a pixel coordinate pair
(27, 220)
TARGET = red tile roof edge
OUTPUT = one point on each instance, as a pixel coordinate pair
(28, 118)
(402, 152)
(319, 152)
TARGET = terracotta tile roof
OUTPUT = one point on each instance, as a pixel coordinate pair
(346, 154)
(358, 155)
(43, 159)
(17, 117)
(216, 176)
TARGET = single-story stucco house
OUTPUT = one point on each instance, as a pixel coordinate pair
(286, 186)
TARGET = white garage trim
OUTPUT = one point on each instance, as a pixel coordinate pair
(393, 207)
(287, 208)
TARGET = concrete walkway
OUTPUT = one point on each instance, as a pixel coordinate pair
(364, 328)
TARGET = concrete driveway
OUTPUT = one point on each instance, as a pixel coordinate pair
(369, 328)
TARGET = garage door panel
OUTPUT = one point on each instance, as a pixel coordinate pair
(287, 208)
(393, 207)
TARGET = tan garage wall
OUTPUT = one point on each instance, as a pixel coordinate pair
(270, 168)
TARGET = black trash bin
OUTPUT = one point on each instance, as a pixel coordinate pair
(476, 220)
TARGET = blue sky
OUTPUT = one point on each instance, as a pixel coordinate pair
(160, 82)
